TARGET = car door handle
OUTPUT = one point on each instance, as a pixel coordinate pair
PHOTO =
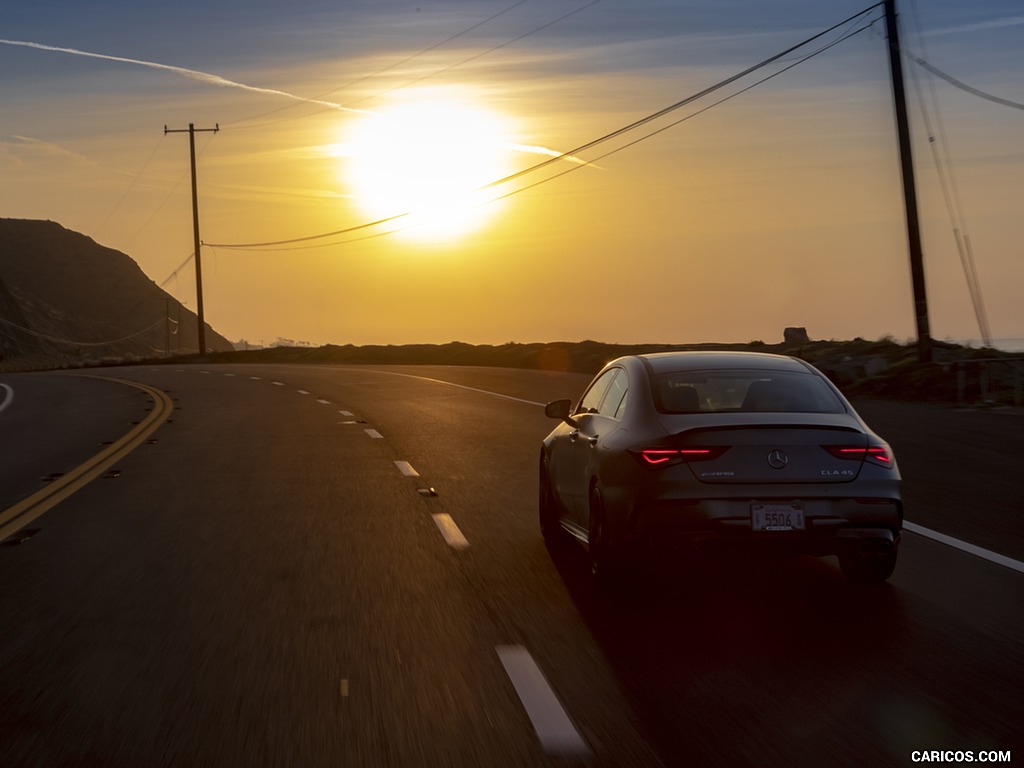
(573, 435)
(592, 440)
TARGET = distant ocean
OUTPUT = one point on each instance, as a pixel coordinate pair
(1009, 344)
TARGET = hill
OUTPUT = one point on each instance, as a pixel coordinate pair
(65, 300)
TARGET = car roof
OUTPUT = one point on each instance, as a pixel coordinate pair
(665, 362)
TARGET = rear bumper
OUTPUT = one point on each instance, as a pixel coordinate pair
(832, 527)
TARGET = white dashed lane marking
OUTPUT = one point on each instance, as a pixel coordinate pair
(302, 392)
(555, 730)
(406, 469)
(278, 383)
(323, 402)
(374, 434)
(345, 413)
(450, 531)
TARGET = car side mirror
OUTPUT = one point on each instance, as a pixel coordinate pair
(559, 409)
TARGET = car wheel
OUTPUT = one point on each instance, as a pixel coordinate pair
(548, 509)
(605, 567)
(868, 569)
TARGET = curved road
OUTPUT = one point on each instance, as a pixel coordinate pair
(341, 566)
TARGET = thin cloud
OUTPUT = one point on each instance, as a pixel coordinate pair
(25, 145)
(981, 26)
(192, 74)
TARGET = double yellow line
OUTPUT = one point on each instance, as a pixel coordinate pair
(25, 511)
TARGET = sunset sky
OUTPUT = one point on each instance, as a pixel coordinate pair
(781, 206)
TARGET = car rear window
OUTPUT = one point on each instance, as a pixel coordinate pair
(743, 391)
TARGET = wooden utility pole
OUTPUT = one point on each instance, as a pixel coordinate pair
(924, 340)
(191, 131)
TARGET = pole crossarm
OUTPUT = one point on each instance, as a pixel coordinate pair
(191, 131)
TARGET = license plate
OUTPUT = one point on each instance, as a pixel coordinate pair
(777, 517)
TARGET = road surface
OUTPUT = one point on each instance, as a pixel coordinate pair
(326, 566)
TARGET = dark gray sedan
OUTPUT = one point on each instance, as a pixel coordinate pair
(719, 452)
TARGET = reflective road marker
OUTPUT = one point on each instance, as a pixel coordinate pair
(25, 511)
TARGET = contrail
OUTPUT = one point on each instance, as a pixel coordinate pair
(212, 79)
(535, 150)
(205, 77)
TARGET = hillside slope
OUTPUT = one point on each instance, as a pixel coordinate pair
(66, 300)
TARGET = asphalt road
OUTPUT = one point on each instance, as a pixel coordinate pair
(267, 580)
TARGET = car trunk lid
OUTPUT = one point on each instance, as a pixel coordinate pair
(767, 449)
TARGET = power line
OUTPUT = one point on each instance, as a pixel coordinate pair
(951, 193)
(577, 150)
(388, 68)
(177, 269)
(58, 340)
(961, 85)
(131, 186)
(673, 124)
(479, 55)
(167, 197)
(575, 168)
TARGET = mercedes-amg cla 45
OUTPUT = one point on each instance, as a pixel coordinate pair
(719, 452)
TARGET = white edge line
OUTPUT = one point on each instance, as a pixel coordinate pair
(406, 469)
(450, 531)
(985, 554)
(460, 386)
(555, 730)
(9, 398)
(374, 434)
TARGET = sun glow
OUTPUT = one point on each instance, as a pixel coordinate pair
(428, 158)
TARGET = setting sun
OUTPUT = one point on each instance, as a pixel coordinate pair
(427, 158)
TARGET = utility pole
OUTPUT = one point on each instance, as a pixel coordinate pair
(924, 340)
(191, 131)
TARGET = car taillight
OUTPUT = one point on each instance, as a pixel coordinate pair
(657, 457)
(879, 454)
